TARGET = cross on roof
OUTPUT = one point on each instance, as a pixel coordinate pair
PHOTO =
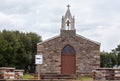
(68, 6)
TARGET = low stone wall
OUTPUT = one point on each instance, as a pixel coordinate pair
(39, 80)
(10, 73)
(106, 80)
(107, 74)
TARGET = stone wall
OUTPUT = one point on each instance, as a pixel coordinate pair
(87, 53)
(106, 80)
(106, 74)
(10, 73)
(38, 80)
(54, 80)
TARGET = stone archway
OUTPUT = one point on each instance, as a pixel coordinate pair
(68, 60)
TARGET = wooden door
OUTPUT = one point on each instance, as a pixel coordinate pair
(68, 61)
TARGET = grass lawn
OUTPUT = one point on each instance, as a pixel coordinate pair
(27, 76)
(85, 79)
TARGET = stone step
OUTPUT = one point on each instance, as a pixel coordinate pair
(57, 76)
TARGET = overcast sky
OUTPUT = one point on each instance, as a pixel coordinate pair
(98, 20)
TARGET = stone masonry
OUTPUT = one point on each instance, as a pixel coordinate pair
(87, 51)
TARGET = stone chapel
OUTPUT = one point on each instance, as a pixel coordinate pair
(69, 53)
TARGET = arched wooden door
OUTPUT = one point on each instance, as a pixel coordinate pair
(68, 61)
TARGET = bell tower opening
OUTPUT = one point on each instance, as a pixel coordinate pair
(68, 20)
(68, 23)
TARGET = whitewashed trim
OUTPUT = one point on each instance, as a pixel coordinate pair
(48, 40)
(88, 39)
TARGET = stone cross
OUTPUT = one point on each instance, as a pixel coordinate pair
(68, 6)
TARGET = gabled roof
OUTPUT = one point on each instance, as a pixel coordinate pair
(76, 35)
(48, 39)
(68, 16)
(88, 39)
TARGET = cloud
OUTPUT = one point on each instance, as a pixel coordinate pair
(97, 20)
(107, 36)
(10, 20)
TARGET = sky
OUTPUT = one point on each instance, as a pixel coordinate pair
(98, 20)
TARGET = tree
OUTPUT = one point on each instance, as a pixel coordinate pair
(17, 49)
(117, 52)
(111, 59)
(108, 59)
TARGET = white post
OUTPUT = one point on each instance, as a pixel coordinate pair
(38, 61)
(39, 72)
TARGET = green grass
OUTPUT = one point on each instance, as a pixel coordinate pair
(27, 76)
(85, 78)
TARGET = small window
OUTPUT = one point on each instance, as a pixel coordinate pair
(68, 50)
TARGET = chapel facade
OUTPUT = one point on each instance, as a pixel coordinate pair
(69, 53)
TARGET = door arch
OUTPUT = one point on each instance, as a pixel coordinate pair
(68, 60)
